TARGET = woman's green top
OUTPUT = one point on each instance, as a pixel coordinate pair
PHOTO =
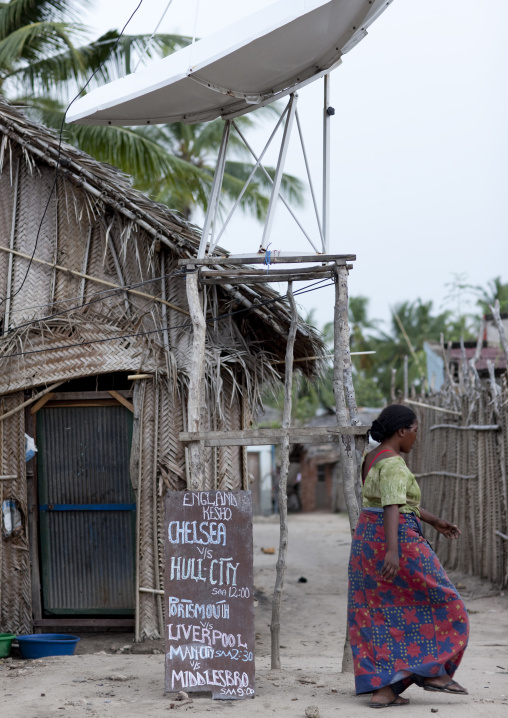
(390, 482)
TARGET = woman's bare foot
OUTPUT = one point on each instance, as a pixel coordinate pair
(444, 684)
(384, 697)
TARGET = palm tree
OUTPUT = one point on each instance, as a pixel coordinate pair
(43, 62)
(495, 289)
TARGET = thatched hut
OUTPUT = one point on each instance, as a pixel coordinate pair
(92, 295)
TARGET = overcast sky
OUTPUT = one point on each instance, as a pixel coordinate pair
(419, 145)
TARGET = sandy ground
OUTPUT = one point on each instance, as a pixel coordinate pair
(98, 681)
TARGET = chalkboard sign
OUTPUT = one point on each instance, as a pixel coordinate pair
(209, 593)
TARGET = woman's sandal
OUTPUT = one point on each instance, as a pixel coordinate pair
(391, 704)
(445, 688)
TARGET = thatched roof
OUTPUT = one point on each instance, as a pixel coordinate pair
(263, 328)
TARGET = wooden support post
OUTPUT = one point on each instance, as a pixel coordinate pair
(406, 376)
(283, 508)
(500, 328)
(349, 389)
(346, 444)
(196, 382)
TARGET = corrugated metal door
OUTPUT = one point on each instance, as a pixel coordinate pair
(86, 509)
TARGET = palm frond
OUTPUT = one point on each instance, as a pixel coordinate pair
(31, 43)
(110, 56)
(19, 13)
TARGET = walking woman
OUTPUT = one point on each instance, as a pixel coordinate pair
(407, 623)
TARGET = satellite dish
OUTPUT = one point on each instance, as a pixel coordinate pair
(253, 62)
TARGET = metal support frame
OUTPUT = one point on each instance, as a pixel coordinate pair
(211, 212)
(278, 172)
(211, 237)
(326, 165)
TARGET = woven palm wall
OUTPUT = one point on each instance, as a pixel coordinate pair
(463, 476)
(15, 585)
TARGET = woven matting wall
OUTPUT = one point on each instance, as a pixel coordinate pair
(15, 587)
(476, 498)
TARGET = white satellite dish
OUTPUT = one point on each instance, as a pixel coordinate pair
(265, 56)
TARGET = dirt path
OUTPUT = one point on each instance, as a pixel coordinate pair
(130, 684)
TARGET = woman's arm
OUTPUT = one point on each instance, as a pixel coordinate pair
(444, 527)
(391, 524)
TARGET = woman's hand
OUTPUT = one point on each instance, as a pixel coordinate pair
(391, 564)
(449, 530)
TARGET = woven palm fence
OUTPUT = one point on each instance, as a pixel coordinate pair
(460, 461)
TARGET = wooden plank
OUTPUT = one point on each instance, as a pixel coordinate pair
(274, 259)
(85, 622)
(271, 276)
(121, 400)
(94, 402)
(209, 274)
(44, 400)
(267, 437)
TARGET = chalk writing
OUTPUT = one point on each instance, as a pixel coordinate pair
(189, 532)
(209, 606)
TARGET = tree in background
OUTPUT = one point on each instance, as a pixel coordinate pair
(44, 61)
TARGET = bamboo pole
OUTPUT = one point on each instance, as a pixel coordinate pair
(283, 509)
(196, 382)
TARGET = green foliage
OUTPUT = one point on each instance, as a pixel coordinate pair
(372, 374)
(43, 62)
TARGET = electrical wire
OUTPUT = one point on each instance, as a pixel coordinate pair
(186, 325)
(60, 152)
(113, 291)
(125, 287)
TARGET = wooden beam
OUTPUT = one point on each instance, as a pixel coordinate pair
(251, 271)
(44, 400)
(121, 400)
(267, 278)
(471, 427)
(429, 406)
(274, 259)
(86, 395)
(135, 377)
(267, 437)
(31, 400)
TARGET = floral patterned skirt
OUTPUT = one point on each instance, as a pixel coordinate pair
(414, 625)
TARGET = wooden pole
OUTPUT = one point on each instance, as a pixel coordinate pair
(500, 327)
(346, 445)
(196, 382)
(283, 508)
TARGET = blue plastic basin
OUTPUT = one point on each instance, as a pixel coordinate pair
(47, 644)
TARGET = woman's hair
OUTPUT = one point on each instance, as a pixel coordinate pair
(391, 419)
